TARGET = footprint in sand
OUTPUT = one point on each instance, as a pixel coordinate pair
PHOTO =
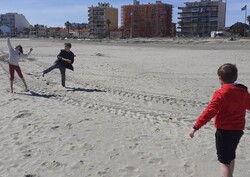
(113, 154)
(129, 170)
(189, 168)
(155, 160)
(163, 172)
(15, 136)
(104, 172)
(133, 146)
(22, 114)
(52, 165)
(88, 147)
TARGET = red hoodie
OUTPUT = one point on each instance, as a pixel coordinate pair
(228, 107)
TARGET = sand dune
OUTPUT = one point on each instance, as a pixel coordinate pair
(125, 112)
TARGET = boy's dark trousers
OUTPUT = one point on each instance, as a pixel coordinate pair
(61, 68)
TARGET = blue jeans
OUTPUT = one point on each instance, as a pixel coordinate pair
(61, 68)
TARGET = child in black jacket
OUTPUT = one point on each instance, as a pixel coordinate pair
(65, 59)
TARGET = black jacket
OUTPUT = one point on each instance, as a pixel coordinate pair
(67, 55)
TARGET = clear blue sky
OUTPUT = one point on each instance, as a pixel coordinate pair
(53, 13)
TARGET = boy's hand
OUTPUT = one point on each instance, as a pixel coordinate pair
(191, 133)
(67, 60)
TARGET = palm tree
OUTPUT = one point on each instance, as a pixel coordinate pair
(47, 32)
(79, 31)
(248, 19)
(181, 24)
(15, 32)
(36, 28)
(67, 25)
(108, 23)
(1, 33)
(122, 30)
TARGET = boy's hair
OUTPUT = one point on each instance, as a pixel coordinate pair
(228, 72)
(67, 44)
(20, 48)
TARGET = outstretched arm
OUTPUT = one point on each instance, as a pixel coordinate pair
(26, 55)
(9, 44)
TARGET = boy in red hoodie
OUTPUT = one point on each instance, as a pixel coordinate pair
(228, 107)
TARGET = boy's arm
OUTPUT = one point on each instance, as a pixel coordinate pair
(70, 59)
(65, 59)
(208, 113)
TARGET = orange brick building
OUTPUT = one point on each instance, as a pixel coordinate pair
(147, 20)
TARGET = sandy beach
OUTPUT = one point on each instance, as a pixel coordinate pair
(126, 111)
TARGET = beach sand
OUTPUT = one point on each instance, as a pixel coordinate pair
(126, 111)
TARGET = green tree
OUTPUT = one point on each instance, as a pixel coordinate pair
(238, 28)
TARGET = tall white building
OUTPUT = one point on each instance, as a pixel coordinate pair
(200, 18)
(16, 22)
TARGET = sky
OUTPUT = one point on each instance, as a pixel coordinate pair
(54, 13)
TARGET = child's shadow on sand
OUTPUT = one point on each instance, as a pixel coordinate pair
(69, 89)
(32, 93)
(73, 89)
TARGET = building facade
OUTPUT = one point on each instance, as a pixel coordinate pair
(147, 20)
(38, 31)
(16, 22)
(75, 26)
(102, 19)
(201, 18)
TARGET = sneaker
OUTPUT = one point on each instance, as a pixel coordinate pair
(43, 74)
(26, 90)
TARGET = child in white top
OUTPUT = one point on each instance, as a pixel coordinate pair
(14, 57)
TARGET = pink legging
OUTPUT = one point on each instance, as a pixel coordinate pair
(12, 69)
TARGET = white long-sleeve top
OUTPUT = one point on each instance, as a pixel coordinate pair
(14, 56)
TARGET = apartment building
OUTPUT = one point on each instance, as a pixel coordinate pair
(102, 19)
(16, 22)
(203, 17)
(147, 20)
